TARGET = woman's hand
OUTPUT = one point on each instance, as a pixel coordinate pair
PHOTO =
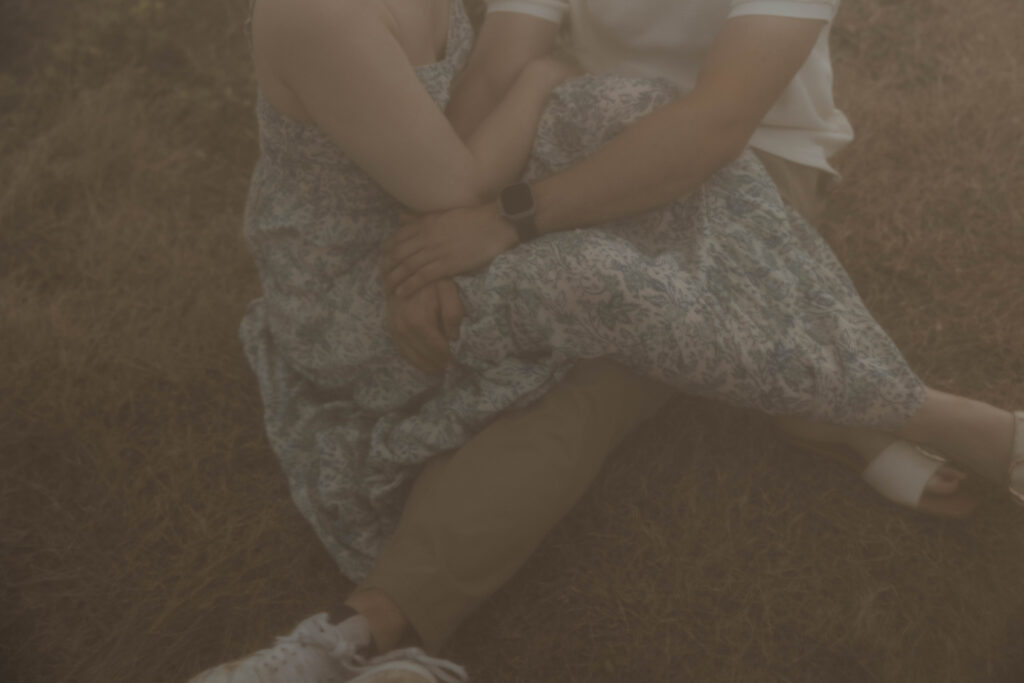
(442, 245)
(422, 325)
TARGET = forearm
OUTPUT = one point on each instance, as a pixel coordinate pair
(670, 152)
(650, 164)
(477, 93)
(506, 43)
(664, 156)
(320, 52)
(655, 160)
(501, 143)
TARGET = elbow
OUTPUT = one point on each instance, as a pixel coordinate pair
(722, 146)
(735, 141)
(733, 135)
(729, 124)
(734, 147)
(478, 188)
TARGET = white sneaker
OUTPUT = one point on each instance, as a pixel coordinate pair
(412, 660)
(319, 652)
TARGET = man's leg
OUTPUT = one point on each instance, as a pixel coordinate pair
(474, 516)
(802, 187)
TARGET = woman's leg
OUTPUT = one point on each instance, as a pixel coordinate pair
(975, 434)
(942, 494)
(801, 187)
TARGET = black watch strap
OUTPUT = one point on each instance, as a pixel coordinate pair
(516, 205)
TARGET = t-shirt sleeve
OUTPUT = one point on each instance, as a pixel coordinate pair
(552, 10)
(798, 9)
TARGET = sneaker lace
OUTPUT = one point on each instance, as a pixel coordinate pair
(341, 643)
(441, 669)
(346, 652)
(344, 649)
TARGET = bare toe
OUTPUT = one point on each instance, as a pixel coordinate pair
(955, 505)
(945, 482)
(948, 494)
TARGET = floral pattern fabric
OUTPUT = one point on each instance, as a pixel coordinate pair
(726, 293)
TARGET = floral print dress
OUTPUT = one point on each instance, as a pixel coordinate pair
(726, 293)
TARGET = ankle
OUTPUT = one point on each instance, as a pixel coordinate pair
(388, 626)
(944, 419)
(971, 432)
(342, 613)
(867, 443)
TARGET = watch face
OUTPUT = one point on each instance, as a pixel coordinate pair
(517, 199)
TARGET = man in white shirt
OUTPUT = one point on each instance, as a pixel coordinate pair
(752, 73)
(669, 39)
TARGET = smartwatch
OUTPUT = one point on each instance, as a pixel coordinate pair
(516, 205)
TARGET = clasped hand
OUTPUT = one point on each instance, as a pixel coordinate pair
(422, 325)
(424, 310)
(441, 245)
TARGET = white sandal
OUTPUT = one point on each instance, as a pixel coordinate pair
(900, 473)
(1016, 473)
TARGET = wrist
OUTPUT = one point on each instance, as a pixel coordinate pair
(548, 72)
(517, 207)
(507, 235)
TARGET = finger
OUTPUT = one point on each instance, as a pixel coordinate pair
(412, 257)
(402, 234)
(414, 357)
(951, 474)
(406, 247)
(451, 308)
(426, 275)
(941, 486)
(387, 264)
(427, 358)
(425, 336)
(413, 322)
(402, 334)
(406, 268)
(432, 342)
(405, 218)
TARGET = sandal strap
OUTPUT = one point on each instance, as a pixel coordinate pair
(1016, 472)
(901, 472)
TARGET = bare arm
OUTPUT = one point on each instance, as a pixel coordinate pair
(507, 42)
(668, 154)
(502, 141)
(351, 76)
(674, 149)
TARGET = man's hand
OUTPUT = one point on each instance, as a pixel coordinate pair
(441, 245)
(423, 324)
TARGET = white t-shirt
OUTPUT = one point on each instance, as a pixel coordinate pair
(669, 39)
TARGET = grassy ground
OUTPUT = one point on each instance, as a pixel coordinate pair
(147, 531)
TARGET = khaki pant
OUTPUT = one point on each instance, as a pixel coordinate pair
(474, 516)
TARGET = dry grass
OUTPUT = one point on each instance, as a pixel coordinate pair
(147, 531)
